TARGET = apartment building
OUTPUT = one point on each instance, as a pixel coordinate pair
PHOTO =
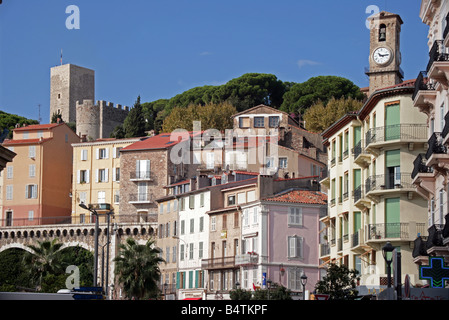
(372, 199)
(430, 167)
(97, 175)
(37, 183)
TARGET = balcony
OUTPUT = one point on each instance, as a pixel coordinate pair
(419, 166)
(379, 137)
(361, 157)
(438, 66)
(382, 184)
(247, 259)
(359, 198)
(325, 251)
(446, 32)
(140, 198)
(419, 253)
(434, 244)
(218, 263)
(358, 242)
(436, 155)
(424, 95)
(400, 231)
(140, 176)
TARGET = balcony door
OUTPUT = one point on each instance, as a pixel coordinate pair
(392, 218)
(393, 168)
(392, 122)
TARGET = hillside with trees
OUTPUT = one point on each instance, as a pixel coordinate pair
(9, 121)
(242, 93)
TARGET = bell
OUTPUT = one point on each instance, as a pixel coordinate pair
(382, 35)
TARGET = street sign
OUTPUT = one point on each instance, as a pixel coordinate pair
(321, 296)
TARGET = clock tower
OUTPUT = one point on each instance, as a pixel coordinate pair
(385, 55)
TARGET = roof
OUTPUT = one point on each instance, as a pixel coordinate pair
(300, 196)
(161, 141)
(39, 127)
(25, 141)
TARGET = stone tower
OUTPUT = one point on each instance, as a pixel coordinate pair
(385, 55)
(70, 83)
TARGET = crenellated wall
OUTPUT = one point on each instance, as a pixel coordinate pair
(97, 121)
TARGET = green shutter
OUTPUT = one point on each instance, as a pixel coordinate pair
(196, 278)
(392, 218)
(357, 135)
(184, 280)
(190, 279)
(392, 121)
(393, 158)
(357, 178)
(357, 221)
(177, 280)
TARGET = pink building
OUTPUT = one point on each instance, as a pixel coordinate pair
(280, 235)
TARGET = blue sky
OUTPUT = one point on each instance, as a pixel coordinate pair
(159, 48)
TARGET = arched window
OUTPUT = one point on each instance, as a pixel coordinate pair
(382, 32)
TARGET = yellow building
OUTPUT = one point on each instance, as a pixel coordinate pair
(37, 183)
(96, 176)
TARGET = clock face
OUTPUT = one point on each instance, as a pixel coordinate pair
(382, 55)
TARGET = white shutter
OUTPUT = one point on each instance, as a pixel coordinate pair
(107, 153)
(26, 192)
(87, 176)
(113, 174)
(34, 189)
(106, 174)
(78, 176)
(114, 152)
(96, 175)
(97, 153)
(300, 244)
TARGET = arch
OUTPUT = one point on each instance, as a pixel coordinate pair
(25, 234)
(52, 233)
(135, 231)
(382, 32)
(83, 245)
(15, 245)
(58, 233)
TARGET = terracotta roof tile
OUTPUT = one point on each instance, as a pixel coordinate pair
(38, 127)
(300, 196)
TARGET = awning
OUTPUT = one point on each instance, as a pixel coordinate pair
(193, 299)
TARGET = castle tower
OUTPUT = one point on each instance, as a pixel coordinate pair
(385, 55)
(70, 83)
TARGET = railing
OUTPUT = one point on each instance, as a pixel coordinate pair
(419, 166)
(78, 219)
(140, 175)
(140, 197)
(246, 259)
(446, 126)
(355, 239)
(325, 249)
(436, 145)
(446, 29)
(437, 54)
(435, 238)
(419, 248)
(358, 149)
(422, 83)
(408, 132)
(218, 263)
(388, 182)
(399, 230)
(357, 193)
(446, 227)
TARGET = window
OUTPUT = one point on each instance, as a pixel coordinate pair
(9, 172)
(143, 168)
(202, 200)
(9, 192)
(116, 174)
(200, 250)
(192, 225)
(236, 219)
(32, 170)
(174, 254)
(295, 217)
(201, 224)
(224, 222)
(167, 254)
(241, 197)
(161, 208)
(382, 32)
(116, 152)
(295, 246)
(102, 175)
(101, 197)
(103, 153)
(259, 122)
(191, 202)
(181, 253)
(269, 162)
(244, 122)
(251, 196)
(31, 215)
(83, 176)
(294, 279)
(191, 251)
(442, 206)
(255, 215)
(231, 200)
(117, 196)
(213, 224)
(283, 163)
(31, 191)
(82, 197)
(273, 121)
(32, 151)
(26, 135)
(183, 226)
(245, 217)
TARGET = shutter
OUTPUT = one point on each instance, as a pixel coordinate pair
(393, 158)
(106, 174)
(177, 279)
(87, 176)
(34, 190)
(184, 279)
(26, 192)
(96, 175)
(114, 152)
(97, 153)
(107, 153)
(113, 174)
(137, 167)
(299, 249)
(78, 176)
(196, 278)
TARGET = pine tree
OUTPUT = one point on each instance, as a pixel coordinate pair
(134, 124)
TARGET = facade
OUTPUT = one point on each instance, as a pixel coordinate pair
(430, 168)
(372, 197)
(96, 176)
(37, 183)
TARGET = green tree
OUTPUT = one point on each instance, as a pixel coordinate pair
(154, 113)
(240, 294)
(134, 124)
(137, 268)
(44, 259)
(277, 292)
(55, 116)
(322, 88)
(12, 270)
(212, 116)
(339, 283)
(9, 121)
(321, 116)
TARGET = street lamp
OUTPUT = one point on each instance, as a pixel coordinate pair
(388, 248)
(82, 205)
(268, 287)
(303, 282)
(165, 290)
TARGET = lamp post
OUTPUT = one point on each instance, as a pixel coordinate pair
(82, 205)
(303, 282)
(165, 290)
(388, 248)
(268, 287)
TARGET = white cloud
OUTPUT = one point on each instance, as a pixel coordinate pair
(205, 53)
(301, 63)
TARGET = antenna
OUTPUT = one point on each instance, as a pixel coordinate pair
(40, 119)
(61, 57)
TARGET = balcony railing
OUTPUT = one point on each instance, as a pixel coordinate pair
(246, 259)
(399, 230)
(446, 126)
(419, 248)
(436, 145)
(141, 197)
(388, 182)
(437, 53)
(446, 29)
(435, 238)
(408, 132)
(358, 149)
(357, 193)
(218, 263)
(422, 83)
(325, 249)
(419, 166)
(355, 239)
(140, 175)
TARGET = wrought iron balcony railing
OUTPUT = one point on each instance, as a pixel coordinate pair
(435, 238)
(419, 166)
(419, 248)
(140, 197)
(388, 182)
(446, 126)
(358, 149)
(357, 193)
(408, 132)
(422, 83)
(325, 249)
(437, 53)
(436, 145)
(140, 175)
(218, 263)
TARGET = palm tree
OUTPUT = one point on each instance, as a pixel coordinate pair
(44, 259)
(137, 268)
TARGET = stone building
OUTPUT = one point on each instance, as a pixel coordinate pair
(72, 94)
